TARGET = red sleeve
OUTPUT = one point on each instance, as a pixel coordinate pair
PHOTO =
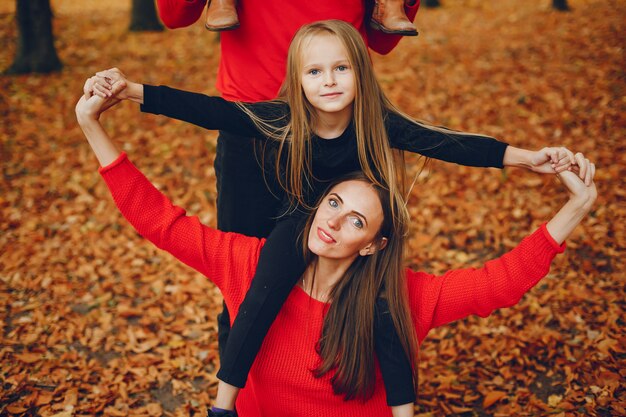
(227, 259)
(383, 43)
(437, 300)
(180, 13)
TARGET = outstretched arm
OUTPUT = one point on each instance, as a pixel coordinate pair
(228, 259)
(437, 300)
(209, 112)
(476, 150)
(88, 112)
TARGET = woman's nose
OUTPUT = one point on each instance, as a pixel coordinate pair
(333, 222)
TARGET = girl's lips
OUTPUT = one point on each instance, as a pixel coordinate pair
(331, 95)
(325, 237)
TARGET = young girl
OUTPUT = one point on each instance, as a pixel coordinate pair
(331, 118)
(331, 321)
(388, 16)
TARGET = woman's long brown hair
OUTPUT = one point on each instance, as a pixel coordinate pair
(346, 346)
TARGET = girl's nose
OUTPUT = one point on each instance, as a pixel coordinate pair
(329, 80)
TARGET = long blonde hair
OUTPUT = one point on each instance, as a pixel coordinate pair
(377, 159)
(380, 163)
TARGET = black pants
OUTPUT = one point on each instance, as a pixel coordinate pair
(244, 203)
(280, 266)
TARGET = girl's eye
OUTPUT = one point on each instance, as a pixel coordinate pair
(342, 68)
(333, 203)
(356, 222)
(314, 72)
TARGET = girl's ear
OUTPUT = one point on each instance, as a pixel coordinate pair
(373, 247)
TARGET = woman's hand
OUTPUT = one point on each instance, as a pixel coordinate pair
(581, 195)
(89, 109)
(581, 199)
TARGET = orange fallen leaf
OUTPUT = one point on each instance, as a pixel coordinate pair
(493, 397)
(29, 357)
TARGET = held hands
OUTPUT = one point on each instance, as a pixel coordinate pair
(552, 160)
(113, 83)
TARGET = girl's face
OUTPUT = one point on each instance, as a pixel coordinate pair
(347, 222)
(327, 76)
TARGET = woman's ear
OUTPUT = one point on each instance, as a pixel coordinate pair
(373, 247)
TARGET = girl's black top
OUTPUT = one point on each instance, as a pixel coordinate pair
(330, 158)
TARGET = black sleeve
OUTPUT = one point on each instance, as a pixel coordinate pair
(462, 149)
(395, 366)
(212, 113)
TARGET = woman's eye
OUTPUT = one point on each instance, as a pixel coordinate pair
(333, 203)
(357, 223)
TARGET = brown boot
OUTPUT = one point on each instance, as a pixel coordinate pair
(389, 17)
(221, 15)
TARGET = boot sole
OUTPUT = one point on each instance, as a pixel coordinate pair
(375, 25)
(221, 28)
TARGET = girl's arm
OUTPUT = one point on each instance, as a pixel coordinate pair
(228, 259)
(437, 300)
(209, 112)
(474, 150)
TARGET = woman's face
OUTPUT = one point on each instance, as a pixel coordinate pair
(347, 222)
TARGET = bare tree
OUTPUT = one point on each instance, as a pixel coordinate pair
(560, 5)
(35, 42)
(144, 17)
(432, 3)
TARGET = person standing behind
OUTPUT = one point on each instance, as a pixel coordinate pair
(252, 68)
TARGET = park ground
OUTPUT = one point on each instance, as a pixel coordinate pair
(95, 321)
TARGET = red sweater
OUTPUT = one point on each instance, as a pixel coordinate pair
(280, 381)
(253, 61)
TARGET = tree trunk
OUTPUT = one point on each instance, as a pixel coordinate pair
(35, 42)
(432, 3)
(144, 17)
(560, 5)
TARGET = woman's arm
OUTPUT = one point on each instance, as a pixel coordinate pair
(437, 300)
(228, 259)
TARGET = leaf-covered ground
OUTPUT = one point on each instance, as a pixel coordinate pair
(95, 321)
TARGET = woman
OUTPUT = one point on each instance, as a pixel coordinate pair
(327, 322)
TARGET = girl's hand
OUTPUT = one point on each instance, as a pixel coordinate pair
(108, 83)
(113, 83)
(551, 160)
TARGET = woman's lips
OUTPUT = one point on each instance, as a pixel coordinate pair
(325, 237)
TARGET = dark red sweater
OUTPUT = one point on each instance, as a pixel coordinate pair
(253, 61)
(280, 381)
